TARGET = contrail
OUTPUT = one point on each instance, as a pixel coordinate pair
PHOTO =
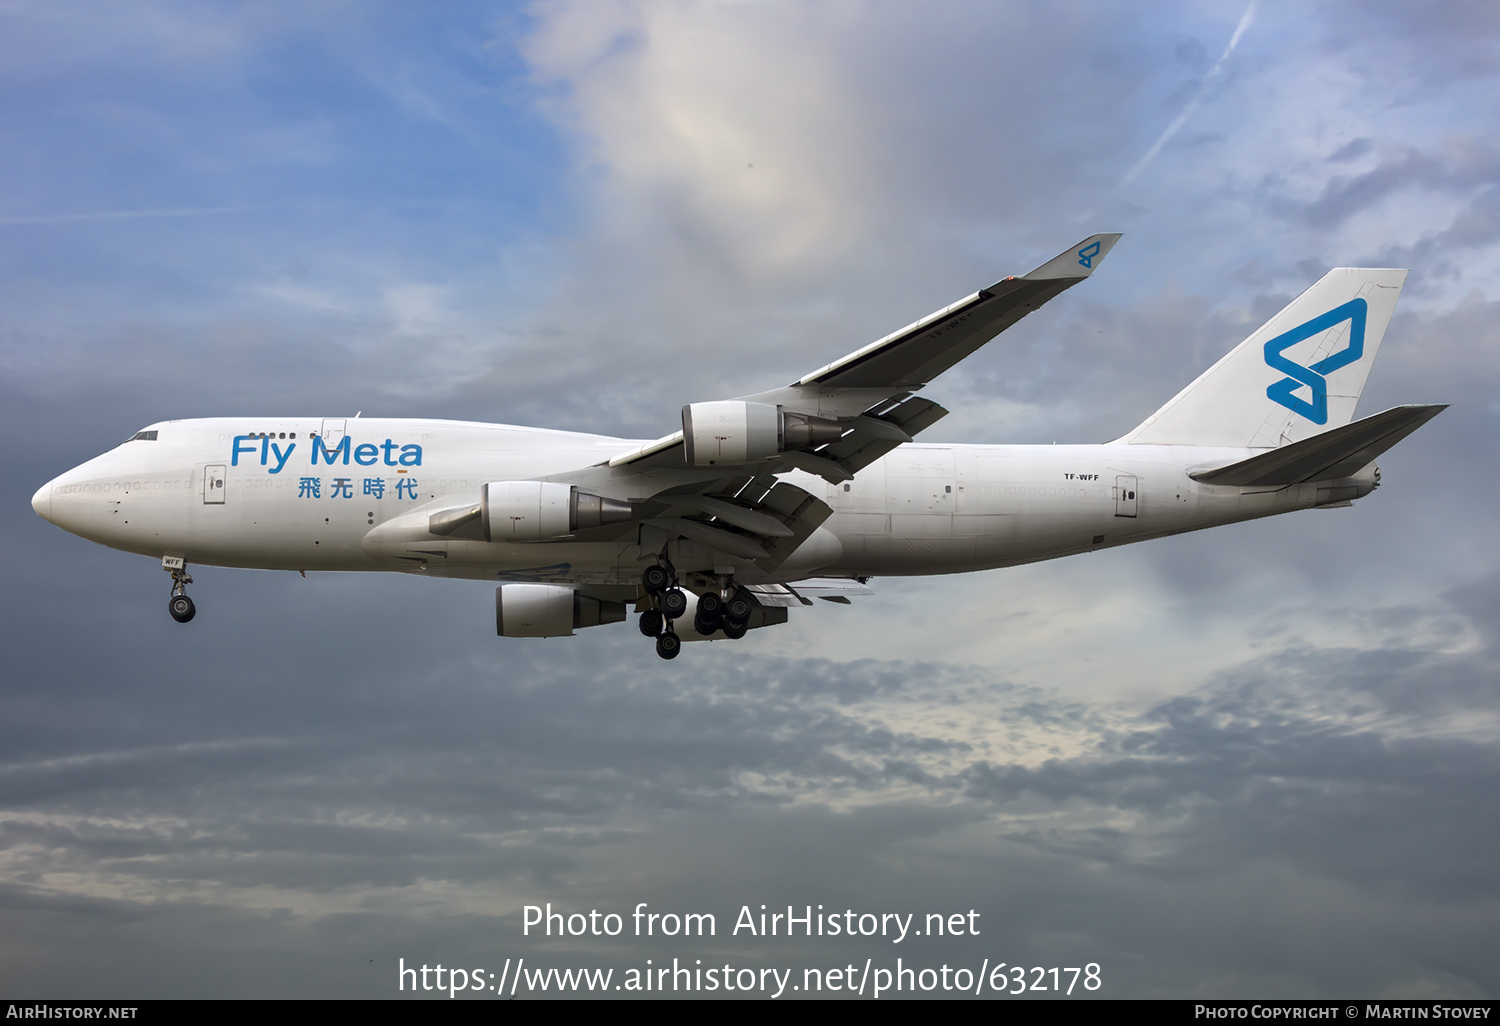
(121, 215)
(1192, 104)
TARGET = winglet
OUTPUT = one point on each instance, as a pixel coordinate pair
(1077, 261)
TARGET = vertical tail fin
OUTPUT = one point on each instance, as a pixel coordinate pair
(1298, 375)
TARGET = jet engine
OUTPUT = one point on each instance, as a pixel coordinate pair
(549, 611)
(523, 511)
(733, 431)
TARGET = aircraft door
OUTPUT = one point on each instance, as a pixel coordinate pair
(333, 432)
(1125, 495)
(213, 485)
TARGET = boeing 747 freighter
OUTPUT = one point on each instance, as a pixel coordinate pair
(766, 502)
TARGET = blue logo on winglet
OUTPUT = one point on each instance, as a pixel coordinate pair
(1087, 253)
(1316, 411)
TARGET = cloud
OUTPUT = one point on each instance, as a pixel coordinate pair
(709, 786)
(1240, 762)
(1465, 165)
(1187, 111)
(1476, 225)
(746, 206)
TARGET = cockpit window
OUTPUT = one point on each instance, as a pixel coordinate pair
(142, 436)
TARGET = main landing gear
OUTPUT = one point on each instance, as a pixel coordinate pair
(179, 605)
(727, 609)
(668, 602)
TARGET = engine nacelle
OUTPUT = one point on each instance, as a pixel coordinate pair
(549, 611)
(733, 431)
(526, 511)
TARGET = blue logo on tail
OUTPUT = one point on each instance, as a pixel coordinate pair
(1313, 377)
(1087, 253)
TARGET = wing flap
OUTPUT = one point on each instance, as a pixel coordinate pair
(829, 589)
(776, 596)
(864, 444)
(803, 512)
(832, 589)
(755, 518)
(719, 538)
(739, 516)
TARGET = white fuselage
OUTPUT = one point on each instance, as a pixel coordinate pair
(308, 494)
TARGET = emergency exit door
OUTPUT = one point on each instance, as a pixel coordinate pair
(1125, 492)
(213, 485)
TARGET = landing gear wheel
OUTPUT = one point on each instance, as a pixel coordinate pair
(179, 605)
(673, 603)
(710, 613)
(668, 645)
(651, 623)
(655, 579)
(182, 609)
(738, 609)
(734, 631)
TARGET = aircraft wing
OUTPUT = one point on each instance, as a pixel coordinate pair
(870, 391)
(913, 356)
(829, 589)
(716, 481)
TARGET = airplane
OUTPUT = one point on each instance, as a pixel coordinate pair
(763, 503)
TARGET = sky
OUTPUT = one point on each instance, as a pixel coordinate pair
(1257, 761)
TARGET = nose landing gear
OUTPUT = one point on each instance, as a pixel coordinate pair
(179, 605)
(182, 609)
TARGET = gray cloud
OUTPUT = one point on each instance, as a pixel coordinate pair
(1476, 225)
(323, 775)
(642, 790)
(1463, 166)
(1446, 42)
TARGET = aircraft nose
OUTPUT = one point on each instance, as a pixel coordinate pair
(42, 501)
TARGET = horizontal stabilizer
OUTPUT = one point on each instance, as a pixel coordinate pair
(1328, 456)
